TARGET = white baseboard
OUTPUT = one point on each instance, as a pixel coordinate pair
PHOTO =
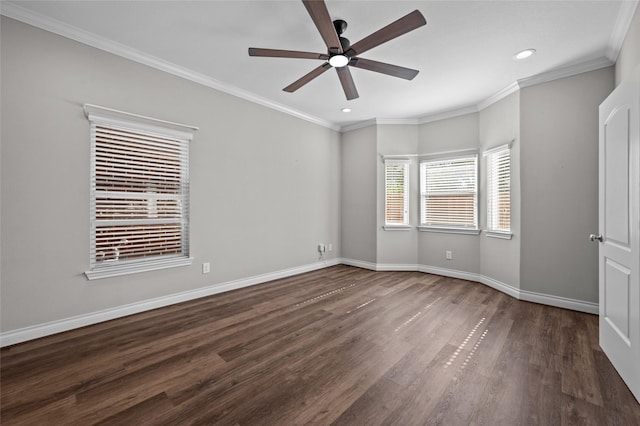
(359, 264)
(396, 267)
(469, 276)
(560, 302)
(528, 296)
(41, 330)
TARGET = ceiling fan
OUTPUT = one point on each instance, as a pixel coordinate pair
(341, 54)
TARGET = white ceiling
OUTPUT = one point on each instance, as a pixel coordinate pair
(464, 53)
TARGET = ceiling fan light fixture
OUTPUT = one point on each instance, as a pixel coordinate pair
(524, 54)
(338, 61)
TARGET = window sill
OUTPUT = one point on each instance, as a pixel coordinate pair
(445, 230)
(134, 268)
(499, 234)
(397, 227)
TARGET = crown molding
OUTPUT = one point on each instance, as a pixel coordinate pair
(358, 125)
(625, 16)
(397, 121)
(501, 94)
(451, 113)
(26, 16)
(545, 77)
(620, 29)
(567, 71)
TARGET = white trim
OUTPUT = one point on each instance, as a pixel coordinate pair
(446, 230)
(396, 159)
(620, 29)
(135, 123)
(500, 286)
(452, 113)
(358, 125)
(359, 264)
(500, 95)
(397, 121)
(559, 301)
(41, 330)
(563, 72)
(527, 296)
(46, 23)
(498, 234)
(406, 157)
(498, 148)
(397, 227)
(462, 275)
(445, 155)
(134, 268)
(383, 267)
(90, 109)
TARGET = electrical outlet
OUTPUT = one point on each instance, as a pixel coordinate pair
(448, 254)
(206, 268)
(330, 248)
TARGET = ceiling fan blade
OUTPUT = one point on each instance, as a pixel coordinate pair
(307, 78)
(320, 15)
(277, 53)
(348, 85)
(395, 29)
(381, 67)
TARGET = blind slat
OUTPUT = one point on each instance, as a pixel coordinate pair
(396, 193)
(449, 192)
(140, 189)
(498, 190)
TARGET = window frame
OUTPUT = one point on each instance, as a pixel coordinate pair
(471, 229)
(405, 224)
(492, 162)
(137, 124)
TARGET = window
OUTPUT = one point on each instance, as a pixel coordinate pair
(449, 194)
(396, 190)
(139, 197)
(498, 190)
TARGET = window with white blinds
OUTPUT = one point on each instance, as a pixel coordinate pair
(139, 198)
(499, 189)
(396, 190)
(449, 193)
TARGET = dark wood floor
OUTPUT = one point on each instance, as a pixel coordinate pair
(341, 346)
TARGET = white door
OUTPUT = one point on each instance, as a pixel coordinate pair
(619, 223)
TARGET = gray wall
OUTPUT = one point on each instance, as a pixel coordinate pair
(559, 184)
(458, 133)
(628, 63)
(499, 124)
(261, 198)
(244, 220)
(398, 247)
(359, 195)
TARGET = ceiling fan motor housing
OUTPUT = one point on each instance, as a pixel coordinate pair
(340, 26)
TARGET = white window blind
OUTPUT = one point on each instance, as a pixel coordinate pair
(499, 189)
(139, 198)
(448, 189)
(396, 188)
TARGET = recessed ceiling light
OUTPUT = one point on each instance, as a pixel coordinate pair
(346, 110)
(524, 54)
(338, 61)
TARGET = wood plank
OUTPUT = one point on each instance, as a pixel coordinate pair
(340, 345)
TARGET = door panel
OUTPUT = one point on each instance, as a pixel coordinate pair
(619, 223)
(616, 298)
(617, 176)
